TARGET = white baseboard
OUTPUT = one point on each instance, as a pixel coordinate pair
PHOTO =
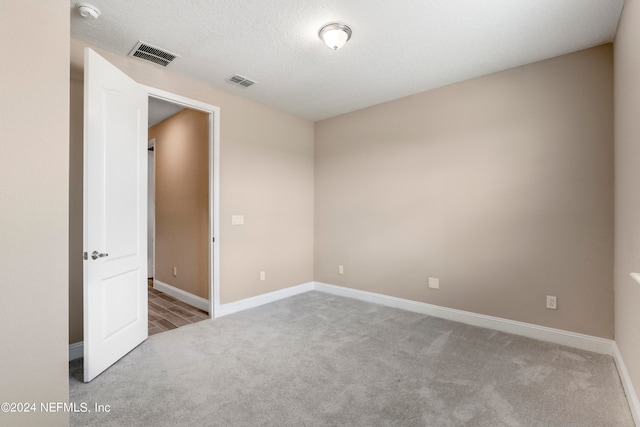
(542, 333)
(76, 350)
(234, 307)
(179, 294)
(632, 397)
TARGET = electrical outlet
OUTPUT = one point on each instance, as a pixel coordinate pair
(263, 275)
(552, 302)
(175, 271)
(434, 283)
(340, 269)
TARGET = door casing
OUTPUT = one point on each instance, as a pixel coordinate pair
(213, 113)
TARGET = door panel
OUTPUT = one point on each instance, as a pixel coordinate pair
(115, 215)
(120, 303)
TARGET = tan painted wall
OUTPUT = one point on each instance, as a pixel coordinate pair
(34, 213)
(266, 174)
(627, 179)
(501, 187)
(182, 201)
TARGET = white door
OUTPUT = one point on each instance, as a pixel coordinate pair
(115, 214)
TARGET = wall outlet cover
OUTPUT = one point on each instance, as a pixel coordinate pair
(434, 283)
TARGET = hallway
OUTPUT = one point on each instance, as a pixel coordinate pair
(166, 312)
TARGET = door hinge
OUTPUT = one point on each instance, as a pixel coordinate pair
(214, 239)
(85, 255)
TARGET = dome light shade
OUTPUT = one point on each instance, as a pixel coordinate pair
(335, 35)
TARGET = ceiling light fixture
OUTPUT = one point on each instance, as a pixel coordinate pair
(335, 35)
(87, 10)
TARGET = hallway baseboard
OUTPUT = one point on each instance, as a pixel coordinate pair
(76, 350)
(180, 295)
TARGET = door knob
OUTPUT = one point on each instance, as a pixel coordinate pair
(96, 255)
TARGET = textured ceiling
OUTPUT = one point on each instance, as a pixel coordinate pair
(398, 48)
(160, 110)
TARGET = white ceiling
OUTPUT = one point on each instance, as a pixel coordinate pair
(397, 49)
(160, 110)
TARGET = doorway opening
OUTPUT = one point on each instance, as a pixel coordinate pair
(181, 218)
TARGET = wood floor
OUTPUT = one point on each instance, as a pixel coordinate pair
(166, 312)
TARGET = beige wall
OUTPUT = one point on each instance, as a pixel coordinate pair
(501, 187)
(627, 179)
(182, 201)
(34, 215)
(266, 174)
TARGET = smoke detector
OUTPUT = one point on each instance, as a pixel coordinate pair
(88, 11)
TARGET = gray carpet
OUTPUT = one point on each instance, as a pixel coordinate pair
(316, 359)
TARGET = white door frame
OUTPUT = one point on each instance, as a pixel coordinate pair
(214, 186)
(152, 270)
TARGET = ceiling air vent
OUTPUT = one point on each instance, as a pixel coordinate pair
(240, 80)
(154, 54)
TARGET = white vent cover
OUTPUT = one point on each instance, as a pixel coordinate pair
(154, 54)
(239, 80)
